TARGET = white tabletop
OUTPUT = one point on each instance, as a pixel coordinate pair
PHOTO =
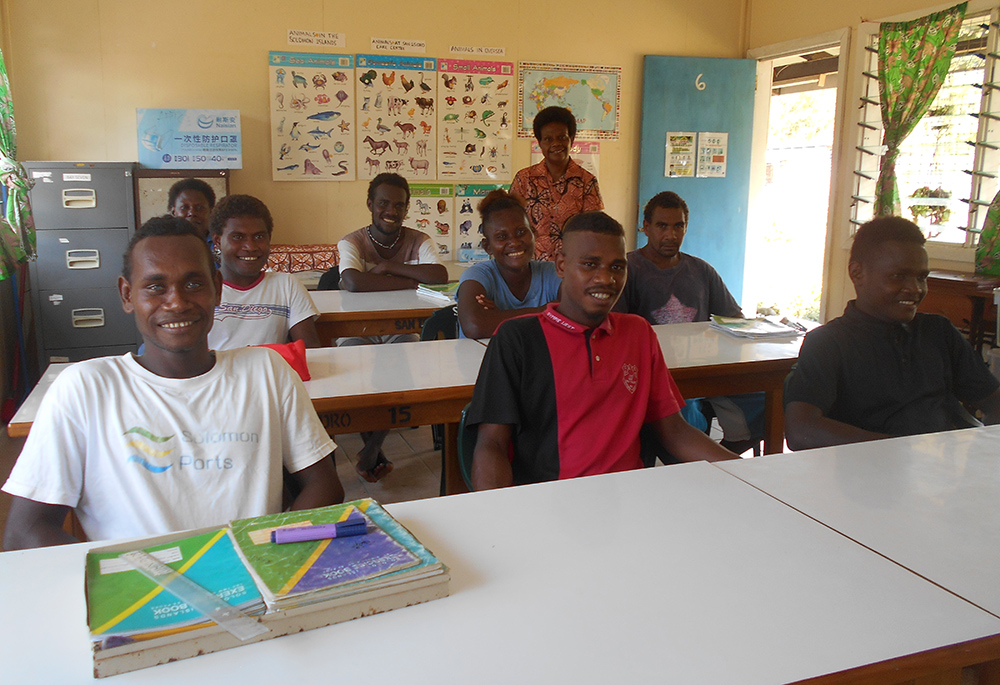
(928, 502)
(351, 371)
(368, 369)
(343, 301)
(679, 574)
(697, 344)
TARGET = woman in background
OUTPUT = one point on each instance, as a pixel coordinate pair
(557, 187)
(511, 283)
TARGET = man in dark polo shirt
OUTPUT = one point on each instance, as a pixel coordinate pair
(570, 387)
(882, 369)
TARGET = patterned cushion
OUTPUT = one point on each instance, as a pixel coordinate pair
(294, 258)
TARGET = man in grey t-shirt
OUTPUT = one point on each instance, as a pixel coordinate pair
(666, 285)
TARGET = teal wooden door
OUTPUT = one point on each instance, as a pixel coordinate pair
(703, 95)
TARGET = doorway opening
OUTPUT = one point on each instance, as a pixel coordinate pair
(786, 244)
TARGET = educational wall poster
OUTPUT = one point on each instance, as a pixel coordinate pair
(470, 231)
(432, 210)
(713, 148)
(312, 117)
(189, 138)
(592, 93)
(474, 120)
(680, 154)
(587, 154)
(395, 112)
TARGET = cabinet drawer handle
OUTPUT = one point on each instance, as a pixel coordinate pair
(79, 198)
(83, 259)
(88, 318)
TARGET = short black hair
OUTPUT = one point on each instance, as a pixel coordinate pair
(592, 222)
(881, 230)
(388, 178)
(557, 115)
(497, 201)
(665, 200)
(239, 205)
(195, 184)
(159, 227)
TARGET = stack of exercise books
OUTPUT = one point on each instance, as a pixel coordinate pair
(135, 623)
(755, 329)
(444, 293)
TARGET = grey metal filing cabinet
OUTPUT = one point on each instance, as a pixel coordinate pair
(84, 217)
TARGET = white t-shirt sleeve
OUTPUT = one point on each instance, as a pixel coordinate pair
(301, 305)
(50, 467)
(304, 441)
(428, 253)
(350, 258)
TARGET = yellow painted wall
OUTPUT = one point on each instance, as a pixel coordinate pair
(80, 68)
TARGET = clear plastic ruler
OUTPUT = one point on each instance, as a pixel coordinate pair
(183, 588)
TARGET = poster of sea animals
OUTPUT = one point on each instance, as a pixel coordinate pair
(469, 236)
(396, 104)
(312, 117)
(475, 120)
(432, 210)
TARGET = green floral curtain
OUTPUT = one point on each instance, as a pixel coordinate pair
(913, 60)
(17, 229)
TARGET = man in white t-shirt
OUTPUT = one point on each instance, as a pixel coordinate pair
(385, 255)
(258, 307)
(178, 438)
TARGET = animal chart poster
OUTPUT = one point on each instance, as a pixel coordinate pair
(592, 93)
(312, 117)
(470, 230)
(395, 114)
(474, 120)
(432, 210)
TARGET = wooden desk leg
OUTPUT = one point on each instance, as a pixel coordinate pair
(453, 481)
(774, 422)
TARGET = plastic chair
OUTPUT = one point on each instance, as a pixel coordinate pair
(441, 325)
(466, 447)
(330, 280)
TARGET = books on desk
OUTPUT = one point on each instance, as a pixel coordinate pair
(444, 293)
(134, 623)
(755, 329)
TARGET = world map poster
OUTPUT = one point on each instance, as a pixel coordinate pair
(592, 93)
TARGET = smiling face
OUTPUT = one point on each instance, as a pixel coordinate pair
(388, 208)
(193, 206)
(172, 291)
(665, 232)
(891, 283)
(244, 246)
(593, 269)
(509, 240)
(555, 144)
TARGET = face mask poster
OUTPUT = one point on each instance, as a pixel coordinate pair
(189, 138)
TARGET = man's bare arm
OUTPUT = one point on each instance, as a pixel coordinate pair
(35, 524)
(807, 428)
(320, 485)
(490, 463)
(434, 274)
(305, 331)
(369, 281)
(686, 442)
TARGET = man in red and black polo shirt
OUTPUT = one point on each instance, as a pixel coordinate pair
(570, 387)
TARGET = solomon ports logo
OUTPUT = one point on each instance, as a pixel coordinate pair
(630, 376)
(145, 449)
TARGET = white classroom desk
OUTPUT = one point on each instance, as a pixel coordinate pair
(343, 313)
(681, 574)
(364, 387)
(929, 502)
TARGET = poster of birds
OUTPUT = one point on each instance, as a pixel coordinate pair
(475, 128)
(396, 104)
(312, 117)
